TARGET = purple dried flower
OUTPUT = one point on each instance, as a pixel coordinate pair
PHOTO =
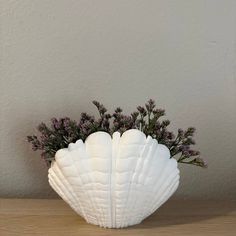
(134, 115)
(66, 122)
(96, 103)
(118, 110)
(165, 123)
(186, 153)
(142, 110)
(41, 127)
(107, 116)
(170, 135)
(199, 161)
(150, 105)
(55, 123)
(116, 124)
(180, 132)
(146, 118)
(190, 131)
(159, 112)
(194, 153)
(189, 141)
(102, 110)
(30, 138)
(183, 148)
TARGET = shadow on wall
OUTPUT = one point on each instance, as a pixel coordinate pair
(25, 175)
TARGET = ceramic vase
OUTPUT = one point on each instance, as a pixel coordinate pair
(114, 181)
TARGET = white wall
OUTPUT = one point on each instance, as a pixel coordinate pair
(58, 55)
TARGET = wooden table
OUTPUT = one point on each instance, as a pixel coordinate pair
(54, 217)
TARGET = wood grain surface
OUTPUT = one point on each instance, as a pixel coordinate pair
(176, 217)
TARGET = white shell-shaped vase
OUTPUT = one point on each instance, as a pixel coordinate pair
(114, 181)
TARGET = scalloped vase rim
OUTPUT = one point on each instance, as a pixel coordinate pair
(110, 135)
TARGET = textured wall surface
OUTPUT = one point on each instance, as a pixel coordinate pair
(58, 55)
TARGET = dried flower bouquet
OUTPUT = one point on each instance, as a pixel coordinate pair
(146, 118)
(117, 169)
